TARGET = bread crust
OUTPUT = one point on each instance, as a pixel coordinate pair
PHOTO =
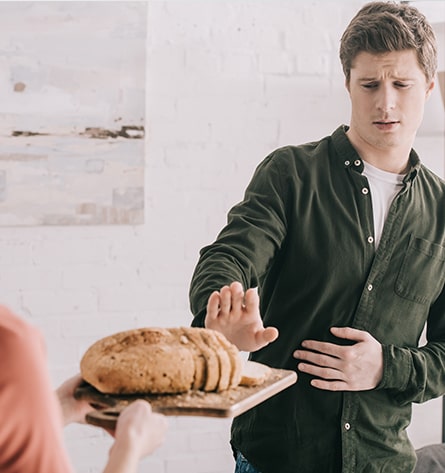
(162, 360)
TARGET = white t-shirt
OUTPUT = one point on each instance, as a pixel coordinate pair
(384, 186)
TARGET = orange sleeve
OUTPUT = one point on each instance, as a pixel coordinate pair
(31, 439)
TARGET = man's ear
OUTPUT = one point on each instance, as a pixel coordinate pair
(430, 88)
(347, 84)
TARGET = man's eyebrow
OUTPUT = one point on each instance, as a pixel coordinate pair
(371, 79)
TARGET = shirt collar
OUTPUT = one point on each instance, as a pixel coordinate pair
(349, 158)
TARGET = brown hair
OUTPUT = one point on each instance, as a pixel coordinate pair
(381, 27)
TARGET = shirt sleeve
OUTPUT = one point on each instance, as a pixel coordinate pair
(246, 246)
(416, 373)
(31, 438)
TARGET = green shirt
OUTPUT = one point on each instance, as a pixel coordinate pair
(304, 235)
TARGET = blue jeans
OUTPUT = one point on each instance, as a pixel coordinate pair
(243, 466)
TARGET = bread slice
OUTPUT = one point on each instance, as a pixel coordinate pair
(254, 374)
(194, 341)
(225, 368)
(213, 370)
(236, 363)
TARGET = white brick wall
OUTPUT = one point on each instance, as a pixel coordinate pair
(227, 82)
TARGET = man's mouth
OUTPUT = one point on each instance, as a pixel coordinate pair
(385, 122)
(386, 125)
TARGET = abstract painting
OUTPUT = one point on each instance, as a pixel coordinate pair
(72, 114)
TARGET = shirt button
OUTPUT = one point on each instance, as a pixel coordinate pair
(357, 162)
(347, 426)
(347, 163)
(365, 190)
(370, 239)
(370, 287)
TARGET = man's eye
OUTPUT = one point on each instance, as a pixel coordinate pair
(401, 85)
(371, 85)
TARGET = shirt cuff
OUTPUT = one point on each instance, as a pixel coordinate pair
(396, 368)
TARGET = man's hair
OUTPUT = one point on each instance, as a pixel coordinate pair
(381, 27)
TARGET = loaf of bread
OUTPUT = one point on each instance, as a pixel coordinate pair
(162, 360)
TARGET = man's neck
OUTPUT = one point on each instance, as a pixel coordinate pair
(391, 159)
(389, 162)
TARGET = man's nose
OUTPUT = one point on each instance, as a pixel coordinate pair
(386, 99)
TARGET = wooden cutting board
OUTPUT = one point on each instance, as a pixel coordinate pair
(230, 403)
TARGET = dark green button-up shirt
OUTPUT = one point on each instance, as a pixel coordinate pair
(304, 235)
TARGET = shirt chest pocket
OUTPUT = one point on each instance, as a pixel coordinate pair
(422, 273)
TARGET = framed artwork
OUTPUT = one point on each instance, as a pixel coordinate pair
(72, 114)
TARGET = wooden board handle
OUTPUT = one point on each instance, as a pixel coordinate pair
(106, 419)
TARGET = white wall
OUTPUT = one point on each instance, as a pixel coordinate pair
(228, 81)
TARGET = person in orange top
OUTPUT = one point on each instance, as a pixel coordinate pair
(33, 415)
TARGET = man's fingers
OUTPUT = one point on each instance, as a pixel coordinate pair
(237, 316)
(237, 287)
(266, 336)
(318, 359)
(237, 292)
(213, 306)
(349, 333)
(323, 372)
(225, 304)
(252, 300)
(270, 334)
(329, 385)
(322, 347)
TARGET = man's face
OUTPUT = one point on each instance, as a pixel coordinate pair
(388, 93)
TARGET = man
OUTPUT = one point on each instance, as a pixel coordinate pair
(333, 263)
(31, 438)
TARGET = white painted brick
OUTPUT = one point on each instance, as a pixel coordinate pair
(198, 463)
(194, 131)
(97, 276)
(239, 64)
(310, 64)
(87, 447)
(57, 302)
(326, 15)
(13, 301)
(128, 299)
(69, 251)
(83, 326)
(152, 465)
(177, 441)
(207, 441)
(15, 252)
(199, 60)
(309, 87)
(26, 277)
(62, 350)
(50, 328)
(166, 59)
(250, 128)
(277, 62)
(199, 424)
(165, 103)
(107, 323)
